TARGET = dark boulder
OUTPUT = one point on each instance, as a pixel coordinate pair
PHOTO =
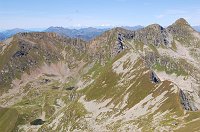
(70, 88)
(120, 42)
(37, 122)
(154, 78)
(20, 54)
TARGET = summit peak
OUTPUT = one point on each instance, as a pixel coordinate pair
(181, 21)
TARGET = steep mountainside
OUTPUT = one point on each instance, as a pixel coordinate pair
(144, 80)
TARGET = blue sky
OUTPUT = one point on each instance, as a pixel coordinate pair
(78, 13)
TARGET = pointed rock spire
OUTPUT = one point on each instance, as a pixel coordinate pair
(182, 22)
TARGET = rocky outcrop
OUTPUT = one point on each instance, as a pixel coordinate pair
(154, 78)
(186, 102)
(107, 45)
(37, 122)
(157, 35)
(153, 34)
(20, 54)
(120, 42)
(180, 28)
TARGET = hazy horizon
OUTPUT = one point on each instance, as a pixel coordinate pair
(98, 27)
(95, 13)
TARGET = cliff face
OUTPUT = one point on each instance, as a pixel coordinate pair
(146, 80)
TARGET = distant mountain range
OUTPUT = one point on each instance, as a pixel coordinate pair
(197, 28)
(133, 28)
(83, 33)
(8, 33)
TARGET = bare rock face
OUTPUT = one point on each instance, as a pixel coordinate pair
(180, 28)
(120, 42)
(186, 102)
(154, 78)
(153, 34)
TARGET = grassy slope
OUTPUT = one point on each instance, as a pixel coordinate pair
(8, 119)
(138, 88)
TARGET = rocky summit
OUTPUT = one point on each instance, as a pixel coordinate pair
(143, 80)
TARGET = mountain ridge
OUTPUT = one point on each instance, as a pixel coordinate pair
(143, 80)
(8, 33)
